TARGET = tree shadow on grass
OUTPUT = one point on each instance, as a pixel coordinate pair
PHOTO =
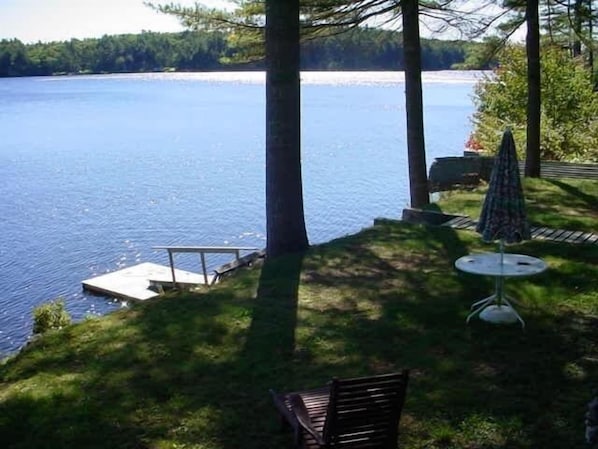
(585, 199)
(194, 369)
(407, 279)
(270, 339)
(530, 385)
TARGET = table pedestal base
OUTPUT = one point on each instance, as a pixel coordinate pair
(496, 309)
(499, 314)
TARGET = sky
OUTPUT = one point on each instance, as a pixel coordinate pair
(59, 20)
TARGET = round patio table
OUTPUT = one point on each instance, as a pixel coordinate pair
(498, 307)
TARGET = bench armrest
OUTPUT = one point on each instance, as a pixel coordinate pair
(301, 414)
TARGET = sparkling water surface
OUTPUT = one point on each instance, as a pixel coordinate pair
(95, 170)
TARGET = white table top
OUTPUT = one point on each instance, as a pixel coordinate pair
(489, 264)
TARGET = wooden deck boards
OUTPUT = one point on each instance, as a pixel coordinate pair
(134, 283)
(539, 233)
(461, 223)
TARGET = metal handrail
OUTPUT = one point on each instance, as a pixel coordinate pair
(202, 250)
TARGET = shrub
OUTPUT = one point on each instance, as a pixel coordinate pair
(569, 123)
(50, 315)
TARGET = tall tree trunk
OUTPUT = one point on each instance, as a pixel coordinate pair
(285, 222)
(577, 27)
(416, 149)
(591, 41)
(532, 154)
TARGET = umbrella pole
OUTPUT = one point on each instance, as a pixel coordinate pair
(500, 279)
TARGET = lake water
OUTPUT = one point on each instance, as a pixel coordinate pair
(95, 170)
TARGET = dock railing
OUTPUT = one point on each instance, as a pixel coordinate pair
(202, 250)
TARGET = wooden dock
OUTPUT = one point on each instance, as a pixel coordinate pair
(142, 282)
(147, 280)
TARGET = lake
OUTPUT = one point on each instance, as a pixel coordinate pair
(95, 170)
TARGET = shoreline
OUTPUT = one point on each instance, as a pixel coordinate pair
(259, 76)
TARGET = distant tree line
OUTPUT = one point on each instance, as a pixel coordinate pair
(143, 52)
(361, 49)
(376, 49)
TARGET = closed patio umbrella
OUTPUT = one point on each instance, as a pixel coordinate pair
(503, 215)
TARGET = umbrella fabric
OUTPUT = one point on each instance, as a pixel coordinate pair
(503, 214)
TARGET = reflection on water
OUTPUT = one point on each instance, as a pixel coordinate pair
(96, 170)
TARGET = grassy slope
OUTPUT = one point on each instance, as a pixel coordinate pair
(559, 204)
(194, 370)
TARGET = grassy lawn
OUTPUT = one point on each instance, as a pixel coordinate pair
(559, 204)
(193, 370)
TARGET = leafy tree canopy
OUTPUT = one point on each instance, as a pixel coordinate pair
(569, 108)
(244, 21)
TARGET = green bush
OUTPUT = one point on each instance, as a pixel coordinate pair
(50, 315)
(569, 114)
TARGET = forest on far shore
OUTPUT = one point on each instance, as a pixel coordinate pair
(360, 49)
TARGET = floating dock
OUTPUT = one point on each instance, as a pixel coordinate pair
(143, 281)
(147, 280)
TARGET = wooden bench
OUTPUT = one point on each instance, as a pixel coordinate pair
(447, 173)
(358, 413)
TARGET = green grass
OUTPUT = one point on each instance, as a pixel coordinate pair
(570, 204)
(193, 370)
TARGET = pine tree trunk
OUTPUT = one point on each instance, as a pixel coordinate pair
(591, 44)
(577, 27)
(285, 222)
(418, 178)
(532, 155)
